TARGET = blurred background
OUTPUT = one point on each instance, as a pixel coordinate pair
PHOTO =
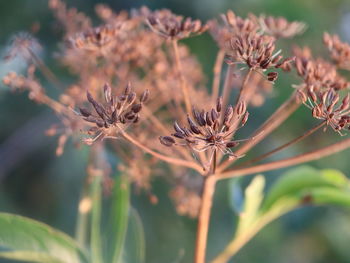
(36, 183)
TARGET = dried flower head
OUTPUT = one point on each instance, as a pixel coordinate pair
(340, 51)
(210, 131)
(231, 26)
(257, 52)
(24, 45)
(99, 39)
(327, 106)
(171, 26)
(123, 109)
(317, 74)
(279, 27)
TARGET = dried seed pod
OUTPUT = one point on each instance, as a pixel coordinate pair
(144, 96)
(219, 104)
(272, 76)
(136, 108)
(167, 140)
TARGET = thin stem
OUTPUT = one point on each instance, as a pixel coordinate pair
(227, 86)
(184, 87)
(163, 157)
(83, 215)
(49, 75)
(217, 74)
(302, 158)
(242, 91)
(284, 146)
(204, 218)
(275, 120)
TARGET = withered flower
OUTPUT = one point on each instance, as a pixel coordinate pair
(340, 51)
(257, 52)
(122, 109)
(210, 131)
(231, 25)
(327, 106)
(317, 74)
(98, 39)
(279, 27)
(24, 45)
(171, 26)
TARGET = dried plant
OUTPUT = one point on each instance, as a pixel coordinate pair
(134, 48)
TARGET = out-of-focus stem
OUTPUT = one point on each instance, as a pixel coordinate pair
(284, 146)
(227, 86)
(275, 120)
(217, 74)
(204, 218)
(84, 209)
(302, 158)
(184, 87)
(49, 75)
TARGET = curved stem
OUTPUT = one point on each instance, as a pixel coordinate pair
(275, 120)
(302, 158)
(184, 87)
(284, 146)
(217, 74)
(160, 156)
(204, 218)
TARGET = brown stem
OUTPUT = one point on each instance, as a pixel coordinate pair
(182, 77)
(204, 218)
(302, 158)
(280, 148)
(275, 120)
(242, 91)
(217, 74)
(227, 86)
(160, 156)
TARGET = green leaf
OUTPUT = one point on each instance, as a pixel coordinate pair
(329, 196)
(301, 178)
(135, 239)
(253, 197)
(118, 221)
(95, 242)
(28, 240)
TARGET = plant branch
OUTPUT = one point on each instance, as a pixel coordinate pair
(217, 74)
(204, 218)
(184, 87)
(163, 157)
(275, 120)
(284, 146)
(302, 158)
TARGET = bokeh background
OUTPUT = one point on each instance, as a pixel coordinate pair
(36, 183)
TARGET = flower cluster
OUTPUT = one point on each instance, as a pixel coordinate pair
(340, 51)
(122, 109)
(210, 131)
(171, 26)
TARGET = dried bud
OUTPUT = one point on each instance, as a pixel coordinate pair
(219, 104)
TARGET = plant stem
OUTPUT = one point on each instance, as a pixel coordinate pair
(204, 218)
(83, 215)
(217, 74)
(275, 120)
(284, 146)
(242, 91)
(184, 87)
(163, 157)
(227, 86)
(302, 158)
